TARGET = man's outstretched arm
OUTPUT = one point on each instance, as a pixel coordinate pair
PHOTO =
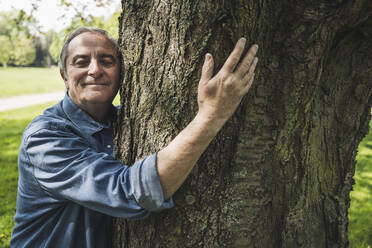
(218, 98)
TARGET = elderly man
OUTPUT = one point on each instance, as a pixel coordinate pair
(70, 184)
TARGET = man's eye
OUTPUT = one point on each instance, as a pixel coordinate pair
(81, 62)
(107, 62)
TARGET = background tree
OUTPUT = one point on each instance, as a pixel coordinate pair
(15, 25)
(24, 52)
(110, 24)
(5, 50)
(280, 172)
(34, 47)
(56, 45)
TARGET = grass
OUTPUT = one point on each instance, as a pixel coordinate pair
(12, 124)
(26, 80)
(360, 212)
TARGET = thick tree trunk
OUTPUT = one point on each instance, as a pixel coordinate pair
(280, 172)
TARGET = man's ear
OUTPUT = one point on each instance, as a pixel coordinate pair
(64, 78)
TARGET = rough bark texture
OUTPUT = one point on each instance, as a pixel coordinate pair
(280, 172)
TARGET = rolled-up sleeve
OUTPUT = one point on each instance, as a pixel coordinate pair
(68, 168)
(146, 186)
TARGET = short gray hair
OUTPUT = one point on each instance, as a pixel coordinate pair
(78, 31)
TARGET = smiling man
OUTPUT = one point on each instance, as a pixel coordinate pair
(70, 184)
(91, 73)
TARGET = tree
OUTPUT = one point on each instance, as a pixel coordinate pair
(280, 172)
(24, 52)
(5, 50)
(110, 24)
(56, 45)
(15, 26)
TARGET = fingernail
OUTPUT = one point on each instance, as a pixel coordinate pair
(243, 40)
(207, 56)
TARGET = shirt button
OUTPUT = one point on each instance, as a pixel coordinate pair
(108, 146)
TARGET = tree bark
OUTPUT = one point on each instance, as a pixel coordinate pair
(280, 172)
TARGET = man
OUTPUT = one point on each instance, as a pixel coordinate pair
(70, 184)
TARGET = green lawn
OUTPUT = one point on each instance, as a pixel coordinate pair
(360, 212)
(12, 124)
(26, 80)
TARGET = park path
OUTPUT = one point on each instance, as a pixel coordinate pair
(29, 100)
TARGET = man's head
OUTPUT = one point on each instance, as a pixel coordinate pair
(90, 66)
(76, 32)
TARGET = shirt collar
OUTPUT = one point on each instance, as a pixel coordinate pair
(81, 119)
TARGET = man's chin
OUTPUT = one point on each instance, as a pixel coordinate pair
(98, 99)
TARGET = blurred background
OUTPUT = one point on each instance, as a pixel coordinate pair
(32, 33)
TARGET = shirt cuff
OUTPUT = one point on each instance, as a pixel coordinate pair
(146, 186)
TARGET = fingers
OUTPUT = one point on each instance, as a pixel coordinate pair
(249, 84)
(234, 57)
(249, 77)
(207, 70)
(245, 65)
(252, 67)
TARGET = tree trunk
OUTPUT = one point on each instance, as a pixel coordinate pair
(280, 172)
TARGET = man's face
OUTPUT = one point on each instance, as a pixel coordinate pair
(92, 70)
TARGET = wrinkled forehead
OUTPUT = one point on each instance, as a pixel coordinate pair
(89, 42)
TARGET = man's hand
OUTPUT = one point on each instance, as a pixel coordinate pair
(218, 97)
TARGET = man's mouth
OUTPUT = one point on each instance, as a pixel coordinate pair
(95, 83)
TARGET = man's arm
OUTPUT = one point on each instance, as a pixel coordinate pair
(218, 98)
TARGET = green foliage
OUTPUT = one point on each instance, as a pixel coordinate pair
(15, 26)
(21, 81)
(56, 46)
(111, 25)
(24, 51)
(13, 22)
(360, 218)
(5, 50)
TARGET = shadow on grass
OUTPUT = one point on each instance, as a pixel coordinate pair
(10, 139)
(12, 125)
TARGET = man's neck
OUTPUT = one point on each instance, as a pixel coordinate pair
(99, 112)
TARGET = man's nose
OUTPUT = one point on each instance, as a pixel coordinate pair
(94, 69)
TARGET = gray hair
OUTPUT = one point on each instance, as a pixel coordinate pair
(78, 31)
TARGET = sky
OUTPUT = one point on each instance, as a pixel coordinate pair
(51, 15)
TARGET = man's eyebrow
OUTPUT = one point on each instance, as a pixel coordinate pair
(107, 56)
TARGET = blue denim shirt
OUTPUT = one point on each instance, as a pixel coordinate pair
(70, 184)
